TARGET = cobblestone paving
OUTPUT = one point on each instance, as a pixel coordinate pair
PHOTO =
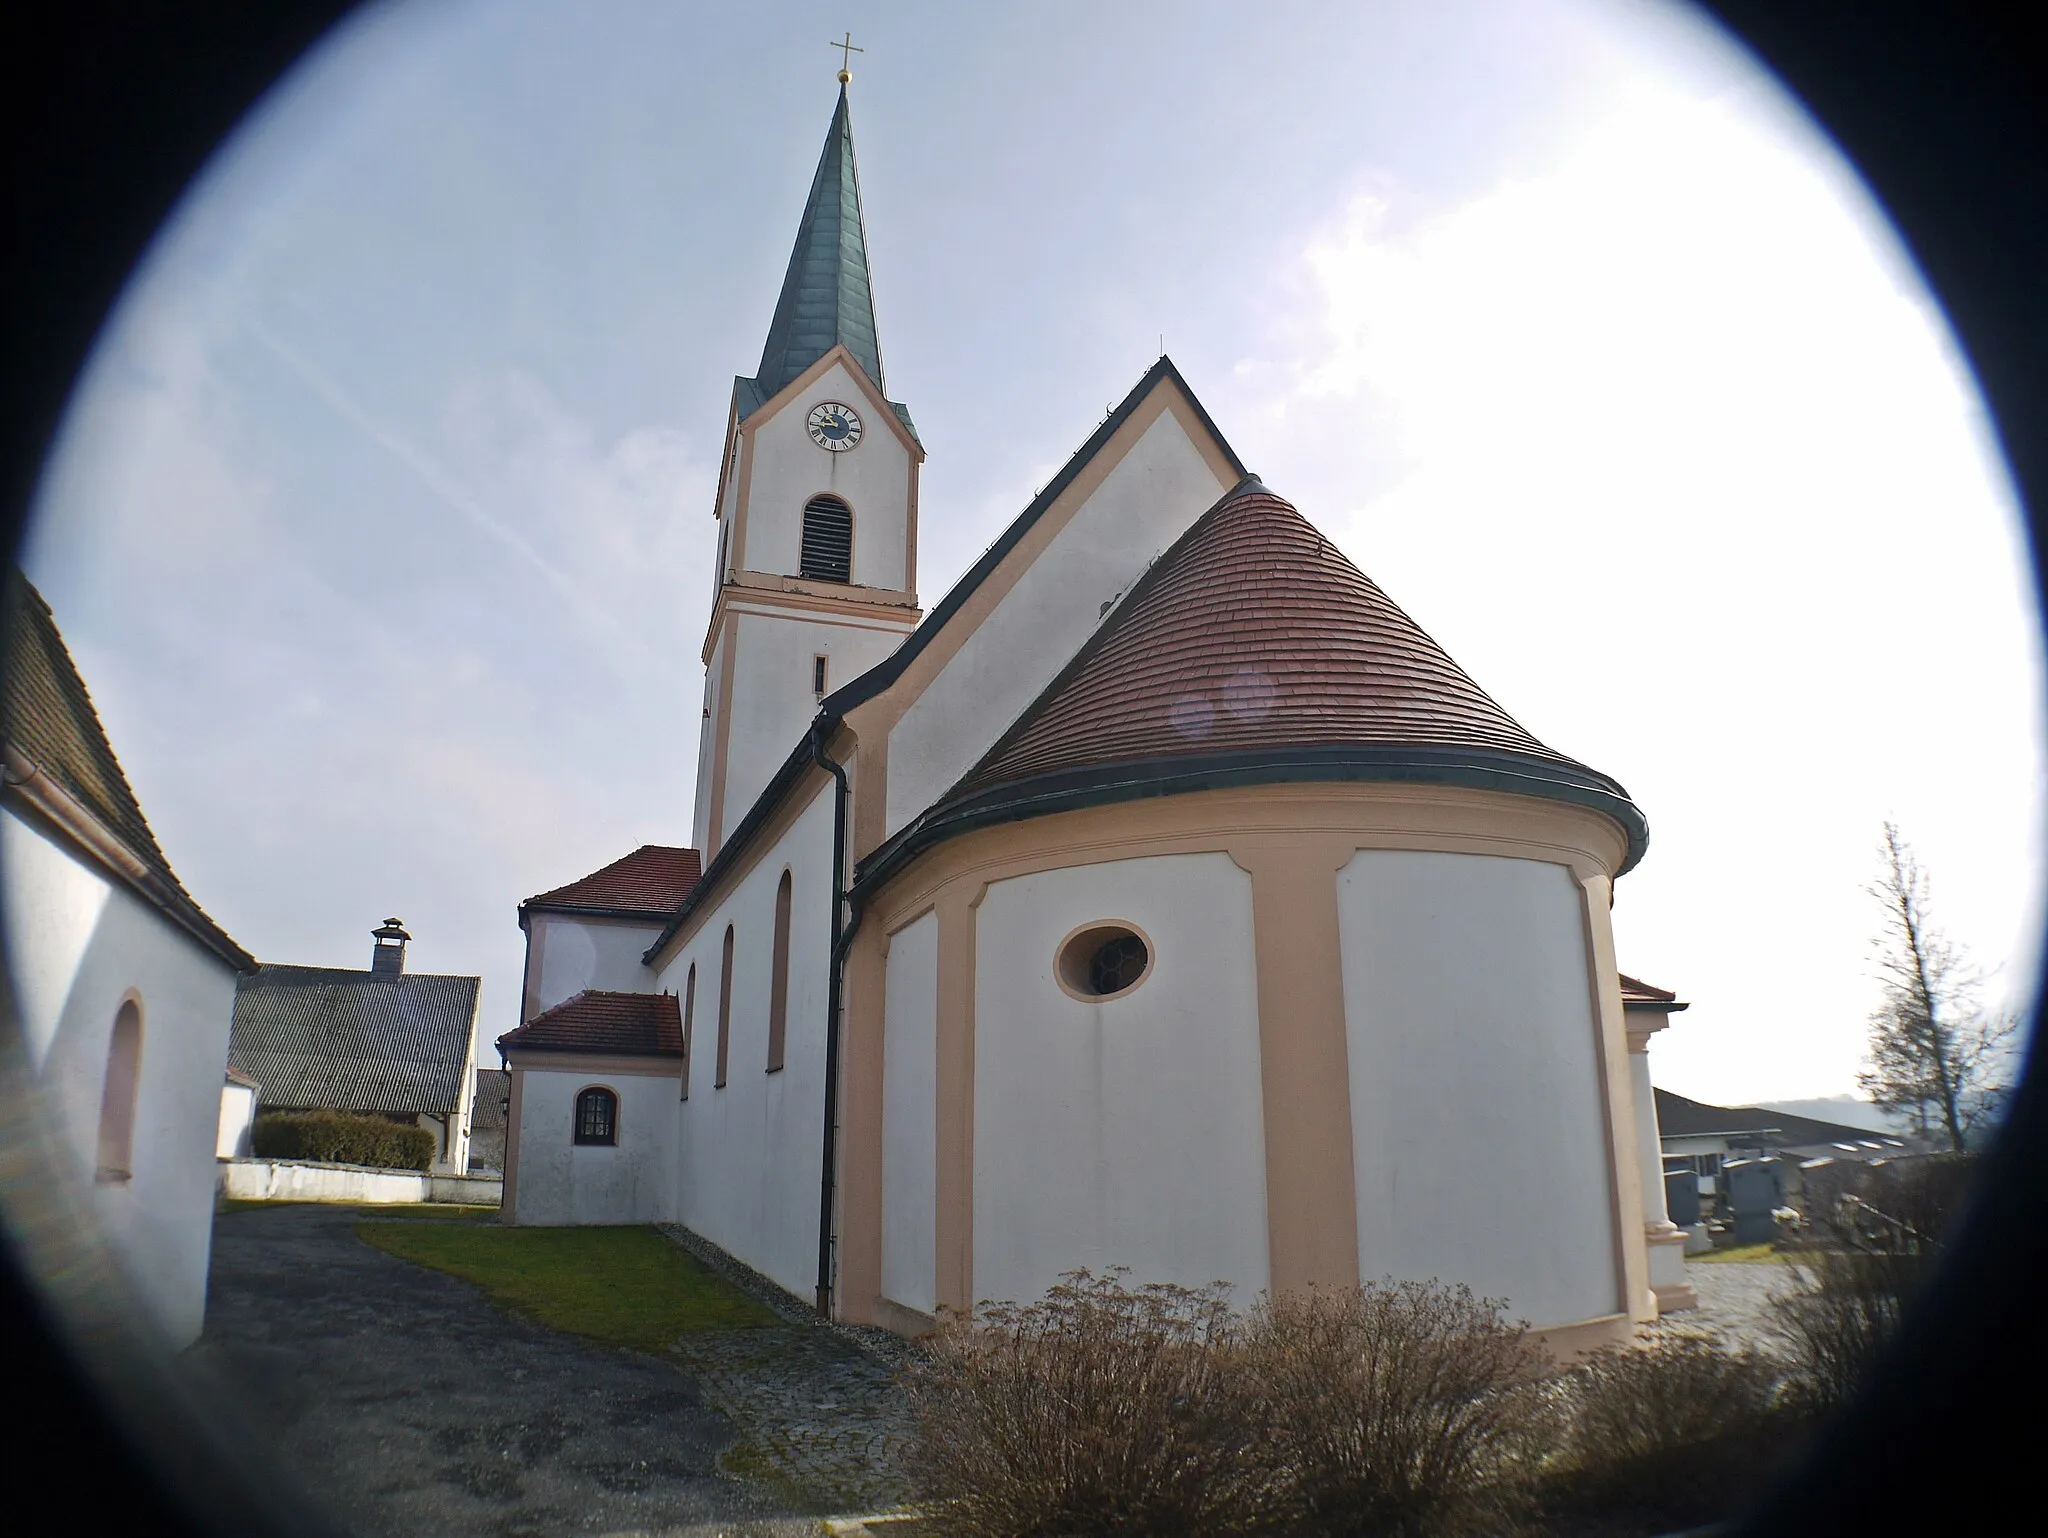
(820, 1412)
(1735, 1302)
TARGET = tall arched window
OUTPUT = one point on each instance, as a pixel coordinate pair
(117, 1095)
(689, 1024)
(828, 540)
(597, 1117)
(724, 1010)
(778, 989)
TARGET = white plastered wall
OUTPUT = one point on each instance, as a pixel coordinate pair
(562, 1183)
(1477, 1114)
(749, 1154)
(76, 946)
(773, 702)
(237, 1119)
(1128, 1133)
(1148, 500)
(788, 469)
(910, 1088)
(566, 955)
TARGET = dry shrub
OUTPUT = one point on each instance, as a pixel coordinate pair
(1681, 1429)
(1394, 1409)
(1101, 1409)
(343, 1137)
(1847, 1306)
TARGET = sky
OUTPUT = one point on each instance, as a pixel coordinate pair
(380, 522)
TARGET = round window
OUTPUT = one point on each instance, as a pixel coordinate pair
(1103, 961)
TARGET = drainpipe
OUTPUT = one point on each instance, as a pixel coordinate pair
(845, 922)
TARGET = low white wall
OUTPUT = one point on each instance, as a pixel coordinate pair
(562, 1183)
(307, 1180)
(1476, 1110)
(1128, 1133)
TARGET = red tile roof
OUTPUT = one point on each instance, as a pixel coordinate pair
(1253, 632)
(652, 880)
(1637, 992)
(621, 1024)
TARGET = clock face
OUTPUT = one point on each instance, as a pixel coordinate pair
(835, 427)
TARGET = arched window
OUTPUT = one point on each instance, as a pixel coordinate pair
(828, 540)
(597, 1117)
(778, 992)
(689, 1024)
(724, 1010)
(117, 1095)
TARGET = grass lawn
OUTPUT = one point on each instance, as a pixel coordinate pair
(625, 1286)
(1744, 1253)
(446, 1212)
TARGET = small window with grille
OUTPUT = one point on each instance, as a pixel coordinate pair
(597, 1117)
(818, 676)
(828, 540)
(1102, 961)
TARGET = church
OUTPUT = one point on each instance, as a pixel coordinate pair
(1164, 897)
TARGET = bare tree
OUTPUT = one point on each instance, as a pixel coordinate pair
(1934, 1052)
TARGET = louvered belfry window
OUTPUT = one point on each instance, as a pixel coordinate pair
(828, 540)
(597, 1117)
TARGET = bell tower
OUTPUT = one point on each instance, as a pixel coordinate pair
(816, 506)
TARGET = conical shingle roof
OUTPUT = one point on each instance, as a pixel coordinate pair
(1253, 652)
(1253, 632)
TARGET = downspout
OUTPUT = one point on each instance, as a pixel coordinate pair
(845, 923)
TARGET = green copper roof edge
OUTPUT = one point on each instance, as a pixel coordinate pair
(1471, 769)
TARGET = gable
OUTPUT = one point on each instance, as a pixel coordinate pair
(1012, 623)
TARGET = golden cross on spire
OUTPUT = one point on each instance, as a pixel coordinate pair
(846, 52)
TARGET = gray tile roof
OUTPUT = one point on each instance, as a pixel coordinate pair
(487, 1114)
(47, 718)
(349, 1041)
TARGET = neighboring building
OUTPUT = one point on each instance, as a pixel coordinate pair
(1201, 915)
(386, 1041)
(1700, 1139)
(489, 1103)
(123, 986)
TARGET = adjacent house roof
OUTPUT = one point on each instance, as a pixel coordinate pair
(1680, 1117)
(649, 883)
(826, 300)
(60, 762)
(487, 1111)
(1251, 652)
(618, 1024)
(338, 1039)
(1637, 994)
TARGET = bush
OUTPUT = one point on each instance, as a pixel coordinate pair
(1882, 1230)
(1394, 1409)
(1672, 1432)
(1101, 1409)
(1105, 1409)
(342, 1137)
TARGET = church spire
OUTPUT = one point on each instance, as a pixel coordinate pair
(825, 295)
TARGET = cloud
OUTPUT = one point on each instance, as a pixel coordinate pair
(1669, 447)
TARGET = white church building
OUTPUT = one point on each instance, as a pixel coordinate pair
(1163, 898)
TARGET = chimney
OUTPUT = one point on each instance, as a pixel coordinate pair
(387, 956)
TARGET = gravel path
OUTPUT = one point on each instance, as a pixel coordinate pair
(406, 1404)
(1735, 1301)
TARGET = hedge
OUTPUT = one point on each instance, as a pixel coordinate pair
(342, 1137)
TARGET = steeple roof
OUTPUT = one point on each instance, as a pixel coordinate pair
(825, 298)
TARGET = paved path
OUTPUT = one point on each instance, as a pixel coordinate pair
(407, 1404)
(1735, 1301)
